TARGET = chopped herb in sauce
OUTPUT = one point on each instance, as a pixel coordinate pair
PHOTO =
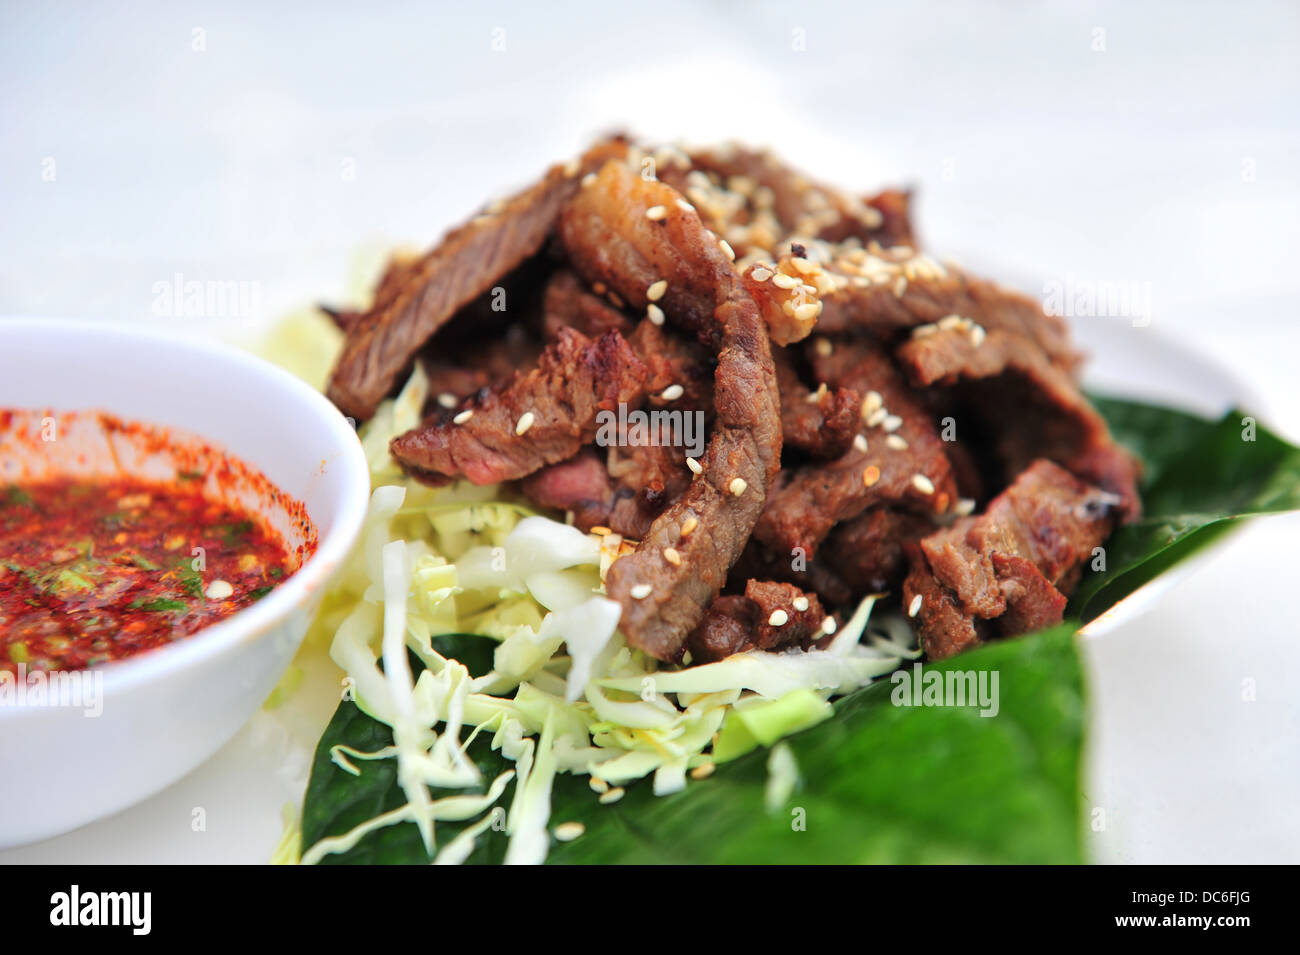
(94, 572)
(17, 497)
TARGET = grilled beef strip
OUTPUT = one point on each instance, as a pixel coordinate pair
(892, 291)
(397, 271)
(624, 492)
(539, 418)
(820, 423)
(867, 551)
(635, 481)
(658, 472)
(1009, 569)
(1031, 407)
(630, 234)
(906, 466)
(786, 615)
(583, 487)
(727, 627)
(568, 303)
(760, 562)
(467, 263)
(474, 366)
(741, 184)
(895, 208)
(766, 617)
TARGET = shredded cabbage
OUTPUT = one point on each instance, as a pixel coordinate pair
(565, 693)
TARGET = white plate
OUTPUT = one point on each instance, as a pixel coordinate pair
(243, 789)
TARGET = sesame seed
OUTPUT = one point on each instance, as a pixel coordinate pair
(900, 286)
(614, 795)
(588, 180)
(803, 265)
(877, 417)
(897, 442)
(655, 213)
(915, 606)
(949, 322)
(447, 400)
(807, 311)
(568, 831)
(781, 280)
(823, 347)
(892, 422)
(704, 770)
(779, 618)
(684, 205)
(219, 590)
(922, 484)
(860, 443)
(641, 591)
(672, 393)
(727, 250)
(525, 422)
(463, 416)
(598, 785)
(673, 556)
(965, 506)
(689, 525)
(977, 335)
(601, 530)
(829, 626)
(870, 476)
(656, 291)
(761, 275)
(695, 466)
(738, 486)
(801, 604)
(655, 314)
(872, 403)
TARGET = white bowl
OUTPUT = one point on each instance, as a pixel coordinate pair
(165, 711)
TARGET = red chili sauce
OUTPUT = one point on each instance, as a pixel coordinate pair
(96, 571)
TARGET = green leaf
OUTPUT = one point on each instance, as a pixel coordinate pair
(1200, 477)
(881, 783)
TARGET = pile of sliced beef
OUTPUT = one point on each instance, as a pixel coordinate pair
(839, 414)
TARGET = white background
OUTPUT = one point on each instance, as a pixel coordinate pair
(1124, 143)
